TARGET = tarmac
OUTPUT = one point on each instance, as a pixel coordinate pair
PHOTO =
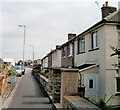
(26, 93)
(8, 95)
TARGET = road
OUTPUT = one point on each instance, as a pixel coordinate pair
(30, 94)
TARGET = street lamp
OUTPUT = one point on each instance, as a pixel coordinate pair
(23, 42)
(33, 52)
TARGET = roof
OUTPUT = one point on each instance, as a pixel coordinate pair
(69, 41)
(112, 18)
(87, 68)
(8, 60)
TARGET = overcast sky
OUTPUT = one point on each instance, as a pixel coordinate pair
(47, 24)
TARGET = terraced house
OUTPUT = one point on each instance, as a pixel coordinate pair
(90, 52)
(67, 51)
(92, 56)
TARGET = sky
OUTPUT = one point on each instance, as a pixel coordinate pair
(47, 24)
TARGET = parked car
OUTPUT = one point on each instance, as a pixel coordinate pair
(19, 70)
(23, 70)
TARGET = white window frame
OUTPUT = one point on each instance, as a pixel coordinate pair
(81, 45)
(94, 40)
(70, 49)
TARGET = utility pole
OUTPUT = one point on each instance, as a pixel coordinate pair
(23, 43)
(33, 52)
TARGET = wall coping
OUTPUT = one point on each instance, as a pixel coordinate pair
(80, 103)
(44, 78)
(69, 70)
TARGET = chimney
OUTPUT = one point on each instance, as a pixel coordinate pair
(106, 10)
(58, 46)
(71, 35)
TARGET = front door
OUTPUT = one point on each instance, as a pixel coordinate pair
(91, 85)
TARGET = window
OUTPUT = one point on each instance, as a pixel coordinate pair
(69, 51)
(94, 40)
(90, 83)
(81, 45)
(63, 52)
(118, 84)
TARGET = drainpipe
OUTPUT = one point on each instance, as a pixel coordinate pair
(73, 54)
(119, 37)
(119, 50)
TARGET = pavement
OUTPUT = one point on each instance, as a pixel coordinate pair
(27, 93)
(8, 95)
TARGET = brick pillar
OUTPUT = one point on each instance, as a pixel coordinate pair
(69, 83)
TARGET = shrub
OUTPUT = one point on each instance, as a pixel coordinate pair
(46, 75)
(42, 73)
(11, 72)
(2, 67)
(101, 103)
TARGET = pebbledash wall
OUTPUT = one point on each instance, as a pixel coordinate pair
(107, 35)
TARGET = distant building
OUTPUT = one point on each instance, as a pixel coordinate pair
(9, 61)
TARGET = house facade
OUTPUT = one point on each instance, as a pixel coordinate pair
(90, 52)
(92, 56)
(45, 62)
(67, 51)
(56, 57)
(50, 59)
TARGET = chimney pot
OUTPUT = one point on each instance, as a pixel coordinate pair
(106, 3)
(106, 10)
(58, 46)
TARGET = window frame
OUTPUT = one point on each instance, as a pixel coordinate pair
(94, 40)
(91, 87)
(69, 50)
(81, 45)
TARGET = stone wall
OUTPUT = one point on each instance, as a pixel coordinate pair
(56, 85)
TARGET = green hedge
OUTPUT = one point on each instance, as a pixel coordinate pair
(44, 74)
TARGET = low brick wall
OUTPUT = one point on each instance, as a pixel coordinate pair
(69, 81)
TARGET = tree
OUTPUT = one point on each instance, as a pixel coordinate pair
(1, 60)
(116, 51)
(20, 62)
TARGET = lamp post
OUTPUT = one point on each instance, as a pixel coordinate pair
(33, 52)
(23, 26)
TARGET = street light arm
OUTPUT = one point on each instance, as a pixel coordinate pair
(21, 26)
